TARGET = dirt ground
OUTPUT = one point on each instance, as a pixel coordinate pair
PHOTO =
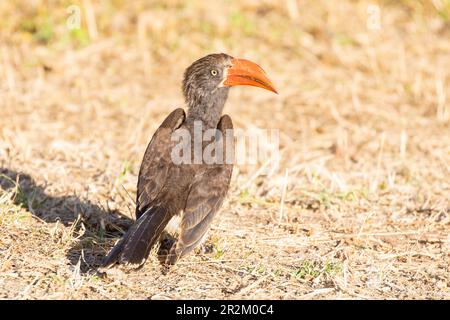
(359, 207)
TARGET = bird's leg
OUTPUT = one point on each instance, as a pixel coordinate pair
(205, 246)
(166, 241)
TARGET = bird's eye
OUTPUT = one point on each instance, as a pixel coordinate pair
(214, 72)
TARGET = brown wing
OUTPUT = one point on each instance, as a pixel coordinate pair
(156, 162)
(205, 196)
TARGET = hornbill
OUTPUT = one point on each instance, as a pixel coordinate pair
(193, 190)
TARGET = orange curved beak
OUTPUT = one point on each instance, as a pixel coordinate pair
(246, 73)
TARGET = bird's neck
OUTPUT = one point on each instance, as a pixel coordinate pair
(207, 109)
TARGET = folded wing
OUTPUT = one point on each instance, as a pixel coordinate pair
(206, 195)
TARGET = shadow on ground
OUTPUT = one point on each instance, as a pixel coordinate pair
(101, 225)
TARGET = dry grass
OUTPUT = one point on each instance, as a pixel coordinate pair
(365, 134)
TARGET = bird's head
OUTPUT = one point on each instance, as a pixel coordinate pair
(215, 73)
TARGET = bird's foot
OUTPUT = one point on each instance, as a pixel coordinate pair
(206, 248)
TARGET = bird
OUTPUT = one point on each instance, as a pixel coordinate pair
(180, 199)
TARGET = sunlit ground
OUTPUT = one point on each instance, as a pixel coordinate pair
(363, 116)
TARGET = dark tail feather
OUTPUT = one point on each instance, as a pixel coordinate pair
(134, 247)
